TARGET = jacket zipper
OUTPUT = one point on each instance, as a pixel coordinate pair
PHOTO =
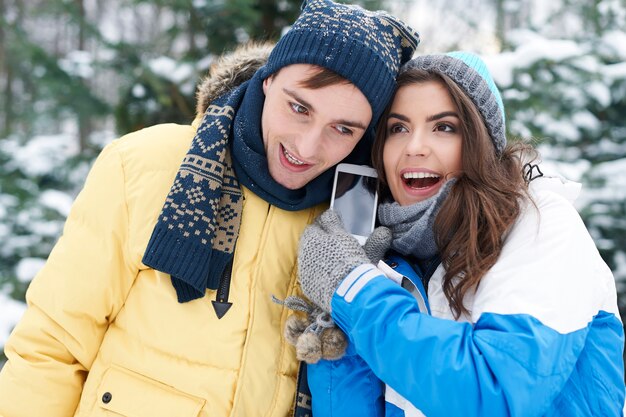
(221, 304)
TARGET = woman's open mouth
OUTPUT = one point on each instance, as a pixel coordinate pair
(420, 180)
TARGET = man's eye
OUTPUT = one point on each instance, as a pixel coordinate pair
(344, 130)
(298, 108)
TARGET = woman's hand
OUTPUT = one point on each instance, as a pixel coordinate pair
(328, 253)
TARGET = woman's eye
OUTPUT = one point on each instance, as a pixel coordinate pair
(298, 108)
(445, 127)
(397, 128)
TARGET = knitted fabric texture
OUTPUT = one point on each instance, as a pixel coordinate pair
(328, 253)
(472, 75)
(195, 235)
(412, 226)
(367, 48)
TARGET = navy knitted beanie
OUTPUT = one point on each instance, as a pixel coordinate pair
(367, 48)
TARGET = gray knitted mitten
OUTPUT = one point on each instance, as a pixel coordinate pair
(378, 243)
(328, 253)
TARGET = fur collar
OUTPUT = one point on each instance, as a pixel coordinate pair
(229, 71)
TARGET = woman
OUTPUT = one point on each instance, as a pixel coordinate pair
(521, 318)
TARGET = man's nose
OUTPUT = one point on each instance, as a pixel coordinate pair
(310, 143)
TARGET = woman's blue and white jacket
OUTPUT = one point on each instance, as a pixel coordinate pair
(543, 337)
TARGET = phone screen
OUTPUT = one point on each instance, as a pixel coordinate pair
(355, 202)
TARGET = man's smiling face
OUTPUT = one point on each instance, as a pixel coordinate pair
(307, 131)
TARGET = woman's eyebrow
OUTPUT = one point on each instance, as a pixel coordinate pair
(399, 116)
(442, 115)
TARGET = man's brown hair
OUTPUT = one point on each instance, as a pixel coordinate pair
(322, 77)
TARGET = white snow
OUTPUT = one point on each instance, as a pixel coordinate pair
(616, 41)
(620, 270)
(78, 63)
(553, 49)
(612, 190)
(171, 69)
(42, 154)
(615, 71)
(615, 174)
(564, 129)
(586, 120)
(571, 170)
(205, 63)
(27, 268)
(533, 48)
(138, 91)
(600, 91)
(57, 200)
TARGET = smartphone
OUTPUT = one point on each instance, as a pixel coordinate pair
(355, 199)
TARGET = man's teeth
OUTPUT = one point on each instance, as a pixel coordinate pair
(291, 158)
(416, 175)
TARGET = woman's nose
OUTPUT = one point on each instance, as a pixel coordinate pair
(418, 145)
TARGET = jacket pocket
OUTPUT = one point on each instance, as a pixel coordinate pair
(133, 395)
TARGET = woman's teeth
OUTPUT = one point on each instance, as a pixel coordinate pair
(420, 179)
(408, 175)
(291, 159)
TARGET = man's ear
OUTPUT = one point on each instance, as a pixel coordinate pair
(267, 82)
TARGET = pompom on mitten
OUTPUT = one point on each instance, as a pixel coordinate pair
(315, 336)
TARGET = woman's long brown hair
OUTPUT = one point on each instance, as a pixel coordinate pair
(483, 204)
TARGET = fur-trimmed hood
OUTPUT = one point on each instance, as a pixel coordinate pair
(229, 71)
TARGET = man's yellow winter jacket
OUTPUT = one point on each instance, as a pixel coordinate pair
(104, 334)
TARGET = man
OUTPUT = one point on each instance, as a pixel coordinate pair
(152, 309)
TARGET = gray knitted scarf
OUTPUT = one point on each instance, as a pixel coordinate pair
(412, 226)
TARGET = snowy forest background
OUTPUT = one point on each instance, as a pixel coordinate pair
(75, 74)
